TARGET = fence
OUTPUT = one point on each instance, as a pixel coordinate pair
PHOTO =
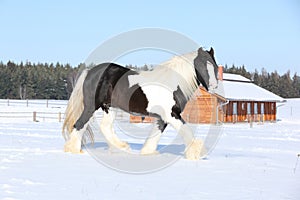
(35, 116)
(56, 116)
(34, 103)
(43, 110)
(35, 110)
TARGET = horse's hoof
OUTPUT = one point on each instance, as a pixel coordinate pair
(71, 148)
(195, 151)
(123, 146)
(74, 151)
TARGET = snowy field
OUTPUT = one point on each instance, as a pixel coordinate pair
(247, 163)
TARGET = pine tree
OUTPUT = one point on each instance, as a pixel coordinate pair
(286, 89)
(256, 78)
(296, 85)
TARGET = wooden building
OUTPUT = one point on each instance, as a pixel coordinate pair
(247, 102)
(203, 108)
(237, 99)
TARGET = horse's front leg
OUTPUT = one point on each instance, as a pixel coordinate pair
(108, 131)
(194, 148)
(153, 139)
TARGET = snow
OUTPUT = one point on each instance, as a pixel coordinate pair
(246, 163)
(248, 91)
(235, 77)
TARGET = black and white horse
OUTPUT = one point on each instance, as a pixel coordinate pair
(161, 93)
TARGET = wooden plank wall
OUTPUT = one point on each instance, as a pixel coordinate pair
(202, 109)
(244, 115)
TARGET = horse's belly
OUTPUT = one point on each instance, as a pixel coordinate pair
(160, 99)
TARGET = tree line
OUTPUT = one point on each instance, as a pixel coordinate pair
(56, 81)
(36, 81)
(285, 85)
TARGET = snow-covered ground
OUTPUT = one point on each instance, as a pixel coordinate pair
(247, 163)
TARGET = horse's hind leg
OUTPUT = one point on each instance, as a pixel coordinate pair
(107, 129)
(74, 143)
(153, 139)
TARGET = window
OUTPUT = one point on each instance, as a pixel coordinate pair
(255, 108)
(234, 108)
(243, 106)
(248, 108)
(262, 108)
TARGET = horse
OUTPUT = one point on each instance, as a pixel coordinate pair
(161, 93)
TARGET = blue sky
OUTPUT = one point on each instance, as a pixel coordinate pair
(254, 33)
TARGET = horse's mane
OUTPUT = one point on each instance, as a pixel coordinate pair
(178, 71)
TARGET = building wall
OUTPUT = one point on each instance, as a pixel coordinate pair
(139, 119)
(202, 109)
(246, 111)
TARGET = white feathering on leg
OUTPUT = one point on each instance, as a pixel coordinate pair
(151, 142)
(194, 148)
(73, 144)
(108, 132)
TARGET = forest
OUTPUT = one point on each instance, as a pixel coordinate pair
(36, 81)
(56, 81)
(285, 85)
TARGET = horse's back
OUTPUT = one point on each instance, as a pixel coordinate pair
(103, 81)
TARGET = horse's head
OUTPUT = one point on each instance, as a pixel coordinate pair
(206, 69)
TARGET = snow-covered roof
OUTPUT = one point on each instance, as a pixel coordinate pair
(236, 87)
(234, 77)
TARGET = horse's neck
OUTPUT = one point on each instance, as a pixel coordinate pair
(178, 71)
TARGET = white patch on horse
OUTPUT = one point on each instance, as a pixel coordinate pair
(213, 83)
(160, 99)
(160, 83)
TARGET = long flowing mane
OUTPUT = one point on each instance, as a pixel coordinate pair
(178, 71)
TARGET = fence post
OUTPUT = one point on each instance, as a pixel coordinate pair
(27, 103)
(59, 117)
(47, 103)
(7, 102)
(34, 116)
(251, 121)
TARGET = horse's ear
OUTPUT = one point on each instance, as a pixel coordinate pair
(211, 52)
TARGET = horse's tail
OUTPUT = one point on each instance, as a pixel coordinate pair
(75, 106)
